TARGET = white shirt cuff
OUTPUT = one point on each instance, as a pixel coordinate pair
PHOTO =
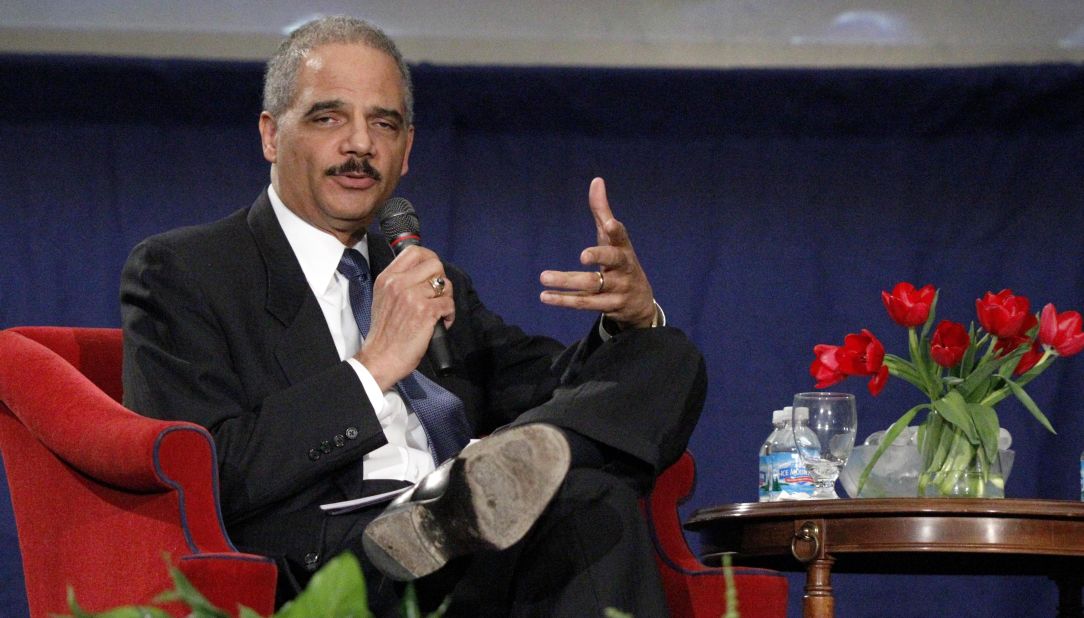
(660, 320)
(372, 389)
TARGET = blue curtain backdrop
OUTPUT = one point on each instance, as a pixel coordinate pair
(769, 207)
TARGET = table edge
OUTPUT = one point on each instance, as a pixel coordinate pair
(899, 507)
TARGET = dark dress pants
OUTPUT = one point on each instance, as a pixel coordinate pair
(639, 397)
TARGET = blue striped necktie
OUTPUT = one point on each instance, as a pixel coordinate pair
(442, 415)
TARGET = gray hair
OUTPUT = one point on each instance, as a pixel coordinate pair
(280, 78)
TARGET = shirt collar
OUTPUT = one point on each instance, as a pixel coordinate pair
(317, 251)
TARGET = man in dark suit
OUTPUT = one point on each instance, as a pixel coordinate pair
(250, 326)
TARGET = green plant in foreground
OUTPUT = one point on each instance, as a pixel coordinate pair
(731, 590)
(335, 591)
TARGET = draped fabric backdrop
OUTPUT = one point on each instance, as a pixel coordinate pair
(769, 207)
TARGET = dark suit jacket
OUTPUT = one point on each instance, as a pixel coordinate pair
(221, 329)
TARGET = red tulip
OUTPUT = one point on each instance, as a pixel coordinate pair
(907, 306)
(1005, 345)
(1061, 331)
(1002, 314)
(1029, 359)
(825, 367)
(860, 355)
(878, 381)
(948, 344)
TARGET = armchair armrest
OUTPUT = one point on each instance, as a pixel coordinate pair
(76, 420)
(118, 489)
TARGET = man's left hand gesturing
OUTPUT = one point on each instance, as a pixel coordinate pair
(618, 288)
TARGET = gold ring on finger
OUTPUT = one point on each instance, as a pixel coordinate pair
(437, 283)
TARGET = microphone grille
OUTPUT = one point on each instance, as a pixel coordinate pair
(397, 217)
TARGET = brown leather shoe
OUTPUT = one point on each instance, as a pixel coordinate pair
(487, 497)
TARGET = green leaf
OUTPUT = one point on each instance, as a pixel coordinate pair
(933, 312)
(1026, 399)
(130, 611)
(1031, 374)
(987, 426)
(929, 372)
(978, 378)
(441, 609)
(1011, 360)
(186, 593)
(936, 451)
(904, 370)
(73, 605)
(953, 409)
(913, 348)
(247, 612)
(408, 608)
(335, 591)
(929, 438)
(968, 361)
(959, 458)
(929, 432)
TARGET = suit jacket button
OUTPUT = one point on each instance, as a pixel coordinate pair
(340, 440)
(325, 447)
(314, 454)
(351, 433)
(312, 561)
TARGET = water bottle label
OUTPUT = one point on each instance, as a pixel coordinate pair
(764, 492)
(795, 482)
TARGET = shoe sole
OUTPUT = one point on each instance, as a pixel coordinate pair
(510, 478)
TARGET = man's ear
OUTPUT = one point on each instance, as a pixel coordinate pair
(406, 152)
(268, 134)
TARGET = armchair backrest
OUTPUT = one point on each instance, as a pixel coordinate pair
(94, 352)
(692, 589)
(101, 493)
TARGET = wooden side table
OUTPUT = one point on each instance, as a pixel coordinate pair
(901, 535)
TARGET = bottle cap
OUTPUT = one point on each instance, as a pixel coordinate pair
(780, 416)
(802, 413)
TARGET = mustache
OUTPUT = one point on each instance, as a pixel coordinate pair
(354, 166)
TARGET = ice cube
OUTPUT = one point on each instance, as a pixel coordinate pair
(905, 437)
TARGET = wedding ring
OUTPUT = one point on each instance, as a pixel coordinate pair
(437, 283)
(601, 281)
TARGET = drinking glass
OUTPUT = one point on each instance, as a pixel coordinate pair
(826, 443)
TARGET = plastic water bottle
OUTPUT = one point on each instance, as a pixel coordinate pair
(768, 479)
(794, 481)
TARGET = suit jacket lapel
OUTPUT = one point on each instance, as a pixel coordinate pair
(306, 345)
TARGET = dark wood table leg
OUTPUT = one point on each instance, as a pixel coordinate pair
(818, 601)
(1069, 598)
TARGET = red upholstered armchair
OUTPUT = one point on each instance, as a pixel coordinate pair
(692, 589)
(101, 493)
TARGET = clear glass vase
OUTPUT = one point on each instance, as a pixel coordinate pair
(970, 480)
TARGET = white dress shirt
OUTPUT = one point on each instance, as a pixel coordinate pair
(406, 455)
